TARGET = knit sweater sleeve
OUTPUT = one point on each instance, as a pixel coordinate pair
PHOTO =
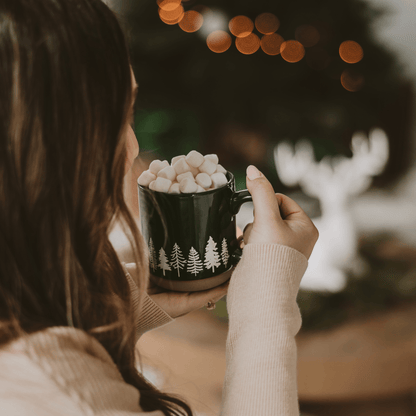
(264, 318)
(148, 315)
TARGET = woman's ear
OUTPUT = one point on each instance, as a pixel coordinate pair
(132, 149)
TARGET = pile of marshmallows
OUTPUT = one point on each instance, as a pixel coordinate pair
(186, 174)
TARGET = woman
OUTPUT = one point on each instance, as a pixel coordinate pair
(70, 312)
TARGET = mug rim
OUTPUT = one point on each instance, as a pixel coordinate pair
(198, 194)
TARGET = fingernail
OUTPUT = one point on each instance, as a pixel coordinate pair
(253, 172)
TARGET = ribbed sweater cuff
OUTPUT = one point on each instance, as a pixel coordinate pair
(266, 273)
(151, 316)
(147, 314)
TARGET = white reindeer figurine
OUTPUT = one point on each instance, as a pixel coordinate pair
(334, 181)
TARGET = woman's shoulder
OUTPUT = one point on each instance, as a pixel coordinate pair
(61, 368)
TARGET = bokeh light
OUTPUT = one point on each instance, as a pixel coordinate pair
(171, 17)
(352, 80)
(191, 21)
(267, 23)
(168, 5)
(219, 41)
(271, 44)
(214, 19)
(307, 35)
(248, 45)
(292, 51)
(351, 52)
(318, 58)
(241, 26)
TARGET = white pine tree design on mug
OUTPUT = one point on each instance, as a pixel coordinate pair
(212, 258)
(224, 253)
(194, 262)
(164, 263)
(152, 256)
(177, 260)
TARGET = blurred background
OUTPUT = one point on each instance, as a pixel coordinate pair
(320, 97)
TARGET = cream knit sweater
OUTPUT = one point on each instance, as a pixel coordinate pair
(64, 371)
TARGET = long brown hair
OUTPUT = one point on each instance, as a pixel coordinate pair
(65, 97)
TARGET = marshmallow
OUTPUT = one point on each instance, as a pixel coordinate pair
(194, 171)
(212, 158)
(184, 175)
(221, 169)
(218, 179)
(162, 184)
(200, 189)
(204, 180)
(168, 173)
(174, 188)
(176, 158)
(208, 167)
(157, 165)
(188, 186)
(145, 178)
(152, 185)
(194, 159)
(181, 166)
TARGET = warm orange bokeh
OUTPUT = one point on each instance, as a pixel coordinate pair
(241, 26)
(318, 58)
(171, 17)
(191, 22)
(267, 23)
(219, 41)
(292, 51)
(307, 35)
(351, 52)
(271, 44)
(248, 45)
(168, 5)
(352, 80)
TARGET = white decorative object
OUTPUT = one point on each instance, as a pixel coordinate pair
(163, 261)
(194, 262)
(224, 252)
(212, 258)
(335, 182)
(152, 256)
(177, 260)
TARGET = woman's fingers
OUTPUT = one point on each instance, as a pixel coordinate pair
(289, 209)
(264, 198)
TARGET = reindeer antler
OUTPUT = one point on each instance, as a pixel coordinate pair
(298, 166)
(292, 164)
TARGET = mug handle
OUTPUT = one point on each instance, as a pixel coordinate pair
(238, 199)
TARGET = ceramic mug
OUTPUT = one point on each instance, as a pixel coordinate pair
(191, 238)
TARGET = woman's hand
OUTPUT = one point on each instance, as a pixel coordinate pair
(177, 304)
(277, 218)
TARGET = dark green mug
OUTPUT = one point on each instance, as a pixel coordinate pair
(191, 238)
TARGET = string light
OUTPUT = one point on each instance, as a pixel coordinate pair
(168, 5)
(248, 45)
(219, 41)
(270, 44)
(292, 51)
(267, 23)
(307, 35)
(351, 80)
(241, 26)
(191, 21)
(351, 52)
(171, 17)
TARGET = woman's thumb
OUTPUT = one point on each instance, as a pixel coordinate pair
(262, 192)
